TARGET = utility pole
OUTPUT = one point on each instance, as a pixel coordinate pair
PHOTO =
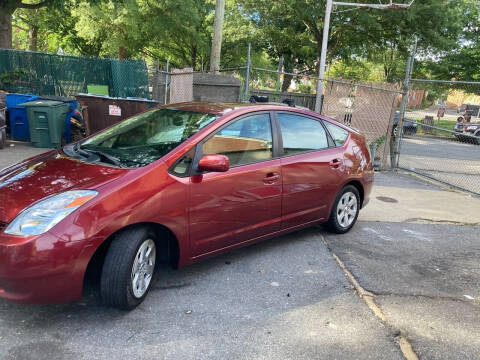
(323, 56)
(326, 28)
(278, 86)
(217, 36)
(247, 73)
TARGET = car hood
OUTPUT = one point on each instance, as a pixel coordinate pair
(51, 173)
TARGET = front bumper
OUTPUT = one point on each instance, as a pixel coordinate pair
(41, 269)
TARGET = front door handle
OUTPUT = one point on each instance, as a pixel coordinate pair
(271, 178)
(335, 163)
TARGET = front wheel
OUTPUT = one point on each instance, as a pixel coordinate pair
(128, 269)
(345, 210)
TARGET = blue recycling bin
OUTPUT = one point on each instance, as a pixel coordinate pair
(18, 123)
(18, 116)
(15, 99)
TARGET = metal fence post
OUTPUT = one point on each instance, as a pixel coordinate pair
(247, 75)
(403, 106)
(279, 75)
(166, 81)
(156, 80)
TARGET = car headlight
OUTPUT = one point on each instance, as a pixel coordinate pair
(44, 215)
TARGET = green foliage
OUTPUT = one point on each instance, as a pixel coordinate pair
(364, 44)
(305, 88)
(356, 70)
(10, 79)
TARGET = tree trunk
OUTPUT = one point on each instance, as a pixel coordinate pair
(33, 38)
(122, 53)
(288, 68)
(5, 29)
(194, 57)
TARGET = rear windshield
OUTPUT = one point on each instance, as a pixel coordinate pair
(145, 138)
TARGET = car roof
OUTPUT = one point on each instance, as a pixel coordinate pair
(221, 108)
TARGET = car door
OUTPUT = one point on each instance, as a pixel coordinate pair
(244, 202)
(312, 167)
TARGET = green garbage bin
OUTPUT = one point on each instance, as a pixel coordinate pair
(47, 122)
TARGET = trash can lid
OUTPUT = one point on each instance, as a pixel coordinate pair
(42, 103)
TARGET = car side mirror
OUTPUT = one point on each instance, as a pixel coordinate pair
(214, 163)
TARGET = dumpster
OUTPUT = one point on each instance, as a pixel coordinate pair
(104, 111)
(18, 116)
(47, 122)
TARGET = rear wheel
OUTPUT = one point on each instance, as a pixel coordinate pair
(128, 269)
(345, 210)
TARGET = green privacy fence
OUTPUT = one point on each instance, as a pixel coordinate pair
(50, 74)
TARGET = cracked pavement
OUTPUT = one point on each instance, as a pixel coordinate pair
(287, 298)
(423, 270)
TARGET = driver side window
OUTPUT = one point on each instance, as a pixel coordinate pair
(245, 141)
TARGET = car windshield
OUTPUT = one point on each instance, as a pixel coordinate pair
(144, 138)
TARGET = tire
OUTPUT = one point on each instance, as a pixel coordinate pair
(337, 223)
(123, 264)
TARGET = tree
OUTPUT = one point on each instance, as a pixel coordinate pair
(462, 62)
(7, 8)
(380, 36)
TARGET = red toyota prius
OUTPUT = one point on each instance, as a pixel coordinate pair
(175, 184)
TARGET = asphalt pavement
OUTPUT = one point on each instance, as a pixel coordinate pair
(450, 161)
(288, 298)
(17, 151)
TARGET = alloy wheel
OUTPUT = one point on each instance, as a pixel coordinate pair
(347, 209)
(143, 267)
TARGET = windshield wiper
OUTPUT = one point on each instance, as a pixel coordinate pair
(111, 159)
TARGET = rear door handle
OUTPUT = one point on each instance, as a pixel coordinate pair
(271, 178)
(335, 163)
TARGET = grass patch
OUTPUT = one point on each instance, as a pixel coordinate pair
(443, 124)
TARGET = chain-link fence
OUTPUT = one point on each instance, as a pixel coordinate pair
(370, 108)
(441, 137)
(279, 86)
(50, 74)
(180, 85)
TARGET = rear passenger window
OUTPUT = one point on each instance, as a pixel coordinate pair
(301, 134)
(339, 135)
